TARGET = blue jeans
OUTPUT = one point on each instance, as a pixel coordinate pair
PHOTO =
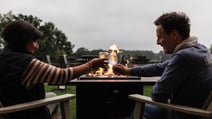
(154, 112)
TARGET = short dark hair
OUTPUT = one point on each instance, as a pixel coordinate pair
(17, 33)
(175, 21)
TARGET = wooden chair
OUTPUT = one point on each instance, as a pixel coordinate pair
(140, 100)
(63, 100)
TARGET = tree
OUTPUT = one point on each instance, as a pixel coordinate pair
(96, 51)
(54, 41)
(81, 51)
(4, 20)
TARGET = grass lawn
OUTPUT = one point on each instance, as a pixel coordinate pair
(72, 90)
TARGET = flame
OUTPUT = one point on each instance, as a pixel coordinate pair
(113, 48)
(127, 63)
(109, 71)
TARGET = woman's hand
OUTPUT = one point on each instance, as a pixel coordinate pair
(98, 62)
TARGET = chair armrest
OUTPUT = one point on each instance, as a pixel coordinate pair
(185, 109)
(62, 99)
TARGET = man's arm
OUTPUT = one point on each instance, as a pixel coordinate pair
(149, 70)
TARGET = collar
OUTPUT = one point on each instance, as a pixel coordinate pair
(191, 41)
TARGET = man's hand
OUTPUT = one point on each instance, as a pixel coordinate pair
(121, 69)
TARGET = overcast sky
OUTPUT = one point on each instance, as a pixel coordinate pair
(97, 24)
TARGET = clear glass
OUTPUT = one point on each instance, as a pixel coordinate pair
(103, 54)
(113, 59)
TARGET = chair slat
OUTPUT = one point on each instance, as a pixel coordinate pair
(63, 100)
(185, 109)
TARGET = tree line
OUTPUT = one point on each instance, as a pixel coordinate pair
(55, 43)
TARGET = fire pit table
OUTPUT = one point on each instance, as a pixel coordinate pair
(103, 97)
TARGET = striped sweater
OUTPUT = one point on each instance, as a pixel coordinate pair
(41, 72)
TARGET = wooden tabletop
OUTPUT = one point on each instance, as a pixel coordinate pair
(144, 80)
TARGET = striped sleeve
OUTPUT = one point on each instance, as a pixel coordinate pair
(40, 72)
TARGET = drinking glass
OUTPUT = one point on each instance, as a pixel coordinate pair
(113, 59)
(103, 54)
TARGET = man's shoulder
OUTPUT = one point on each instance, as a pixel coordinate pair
(196, 54)
(196, 50)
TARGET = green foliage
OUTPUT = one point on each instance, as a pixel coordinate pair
(54, 41)
(70, 89)
(147, 90)
(81, 51)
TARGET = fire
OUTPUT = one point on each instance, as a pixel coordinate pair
(113, 48)
(109, 71)
(112, 60)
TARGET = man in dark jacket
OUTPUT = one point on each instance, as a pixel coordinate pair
(186, 78)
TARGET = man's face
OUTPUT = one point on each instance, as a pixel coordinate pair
(166, 41)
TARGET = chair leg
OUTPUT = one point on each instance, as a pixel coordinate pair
(138, 110)
(65, 110)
